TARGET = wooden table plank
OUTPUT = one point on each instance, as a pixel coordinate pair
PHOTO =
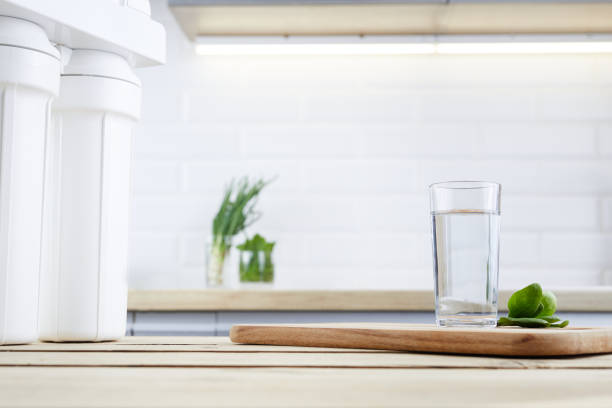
(290, 387)
(179, 374)
(269, 359)
(178, 344)
(276, 356)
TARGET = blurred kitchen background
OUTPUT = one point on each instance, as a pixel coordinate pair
(355, 141)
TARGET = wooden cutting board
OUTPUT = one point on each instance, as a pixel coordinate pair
(506, 341)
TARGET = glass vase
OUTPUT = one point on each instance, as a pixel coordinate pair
(217, 257)
(256, 267)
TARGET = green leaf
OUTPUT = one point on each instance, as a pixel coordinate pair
(549, 319)
(526, 302)
(237, 209)
(256, 260)
(257, 243)
(562, 324)
(549, 303)
(523, 322)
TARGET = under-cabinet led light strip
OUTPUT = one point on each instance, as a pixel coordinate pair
(402, 45)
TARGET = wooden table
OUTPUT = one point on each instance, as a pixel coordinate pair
(211, 371)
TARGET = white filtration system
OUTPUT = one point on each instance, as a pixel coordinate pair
(29, 79)
(66, 118)
(83, 280)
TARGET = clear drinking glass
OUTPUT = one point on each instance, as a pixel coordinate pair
(465, 236)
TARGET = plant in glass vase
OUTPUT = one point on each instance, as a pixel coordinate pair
(237, 212)
(256, 260)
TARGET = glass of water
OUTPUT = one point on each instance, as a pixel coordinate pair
(465, 231)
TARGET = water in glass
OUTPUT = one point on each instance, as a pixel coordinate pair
(465, 248)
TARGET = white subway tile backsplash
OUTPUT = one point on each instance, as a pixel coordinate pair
(549, 277)
(363, 106)
(476, 105)
(574, 103)
(577, 250)
(539, 140)
(604, 133)
(393, 213)
(345, 278)
(155, 177)
(355, 141)
(366, 250)
(481, 71)
(308, 214)
(242, 104)
(519, 249)
(214, 176)
(192, 248)
(303, 141)
(365, 177)
(168, 108)
(606, 277)
(153, 259)
(172, 213)
(191, 277)
(534, 213)
(606, 214)
(423, 140)
(537, 176)
(186, 141)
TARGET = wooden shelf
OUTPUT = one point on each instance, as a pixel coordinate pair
(597, 299)
(339, 17)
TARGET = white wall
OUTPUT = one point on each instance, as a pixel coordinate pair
(355, 141)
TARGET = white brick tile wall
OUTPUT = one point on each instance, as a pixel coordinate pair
(606, 212)
(152, 255)
(533, 213)
(476, 104)
(303, 141)
(397, 213)
(213, 176)
(355, 141)
(423, 140)
(255, 105)
(186, 141)
(363, 106)
(574, 103)
(363, 176)
(312, 214)
(151, 176)
(549, 277)
(172, 213)
(191, 249)
(535, 176)
(168, 108)
(604, 133)
(519, 249)
(577, 250)
(539, 140)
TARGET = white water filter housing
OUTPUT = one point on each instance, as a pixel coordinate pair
(29, 79)
(84, 275)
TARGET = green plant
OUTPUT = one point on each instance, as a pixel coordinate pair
(256, 265)
(237, 212)
(532, 307)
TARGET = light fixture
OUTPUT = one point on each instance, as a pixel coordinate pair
(402, 45)
(312, 45)
(584, 47)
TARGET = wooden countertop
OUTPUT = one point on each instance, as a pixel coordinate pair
(213, 372)
(593, 299)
